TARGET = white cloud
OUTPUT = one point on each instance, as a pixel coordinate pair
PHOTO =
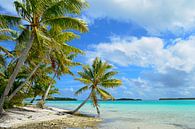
(147, 52)
(155, 15)
(154, 85)
(173, 66)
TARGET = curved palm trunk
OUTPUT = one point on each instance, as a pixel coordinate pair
(48, 89)
(33, 99)
(15, 73)
(98, 111)
(77, 109)
(20, 87)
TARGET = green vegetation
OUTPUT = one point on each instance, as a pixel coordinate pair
(44, 28)
(97, 78)
(41, 31)
(128, 99)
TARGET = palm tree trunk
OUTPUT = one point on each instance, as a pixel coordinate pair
(76, 110)
(48, 89)
(33, 99)
(98, 111)
(20, 87)
(15, 72)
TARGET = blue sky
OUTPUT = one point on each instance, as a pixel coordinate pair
(151, 43)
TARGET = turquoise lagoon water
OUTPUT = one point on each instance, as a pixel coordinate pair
(179, 114)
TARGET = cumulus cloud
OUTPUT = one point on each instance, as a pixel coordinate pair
(155, 15)
(148, 88)
(147, 52)
(173, 66)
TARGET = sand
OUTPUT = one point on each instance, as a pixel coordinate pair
(50, 118)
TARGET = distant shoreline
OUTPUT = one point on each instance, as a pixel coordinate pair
(74, 99)
(119, 99)
(127, 99)
(177, 99)
(59, 99)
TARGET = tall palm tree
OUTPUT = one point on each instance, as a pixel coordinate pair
(97, 78)
(35, 16)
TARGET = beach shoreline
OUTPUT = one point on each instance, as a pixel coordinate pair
(36, 118)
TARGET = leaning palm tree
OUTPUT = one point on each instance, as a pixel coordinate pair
(97, 78)
(61, 55)
(34, 18)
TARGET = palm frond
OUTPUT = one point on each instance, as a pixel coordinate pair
(102, 68)
(108, 75)
(22, 39)
(8, 34)
(85, 75)
(1, 73)
(43, 39)
(111, 83)
(72, 56)
(68, 23)
(6, 21)
(5, 37)
(65, 36)
(104, 94)
(96, 65)
(61, 7)
(2, 60)
(88, 71)
(37, 6)
(7, 52)
(81, 90)
(72, 49)
(9, 31)
(22, 11)
(83, 80)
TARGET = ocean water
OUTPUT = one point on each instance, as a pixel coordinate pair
(179, 114)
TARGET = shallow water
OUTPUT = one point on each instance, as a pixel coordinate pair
(179, 114)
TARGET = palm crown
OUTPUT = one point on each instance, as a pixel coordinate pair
(97, 78)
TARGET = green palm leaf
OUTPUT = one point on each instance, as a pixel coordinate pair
(68, 23)
(7, 21)
(104, 94)
(83, 80)
(22, 11)
(80, 91)
(108, 75)
(111, 83)
(2, 49)
(65, 36)
(60, 7)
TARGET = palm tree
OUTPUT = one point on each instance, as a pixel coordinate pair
(40, 84)
(96, 78)
(61, 65)
(61, 55)
(37, 16)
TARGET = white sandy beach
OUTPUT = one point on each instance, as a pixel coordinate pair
(34, 118)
